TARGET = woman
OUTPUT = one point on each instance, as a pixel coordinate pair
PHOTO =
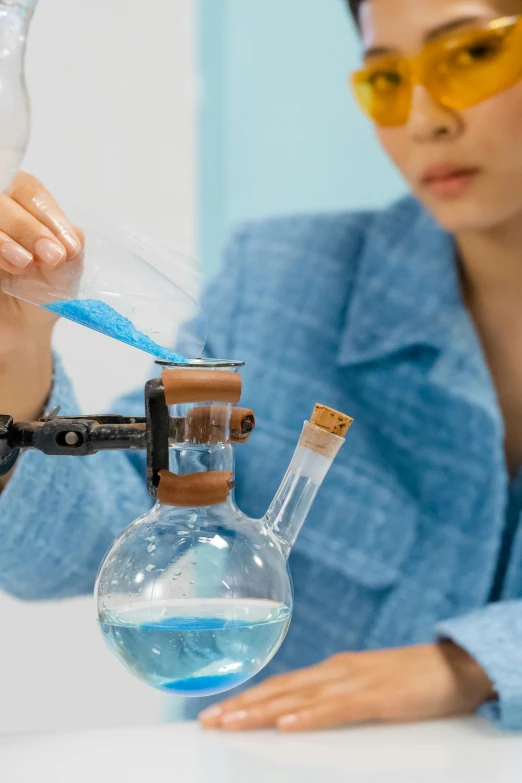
(408, 574)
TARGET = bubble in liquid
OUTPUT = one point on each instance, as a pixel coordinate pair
(151, 548)
(150, 567)
(156, 651)
(176, 574)
(150, 538)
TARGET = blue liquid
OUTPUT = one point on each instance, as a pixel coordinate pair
(103, 318)
(226, 643)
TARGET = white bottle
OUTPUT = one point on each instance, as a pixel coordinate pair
(15, 17)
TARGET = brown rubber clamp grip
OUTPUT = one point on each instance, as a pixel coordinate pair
(211, 424)
(242, 422)
(183, 386)
(194, 490)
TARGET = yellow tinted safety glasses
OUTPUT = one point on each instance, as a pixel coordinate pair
(459, 70)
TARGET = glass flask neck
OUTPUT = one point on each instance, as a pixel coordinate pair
(311, 462)
(206, 447)
(200, 442)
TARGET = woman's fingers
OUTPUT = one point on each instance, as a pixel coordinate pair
(272, 688)
(80, 234)
(329, 672)
(28, 232)
(331, 704)
(30, 194)
(325, 672)
(328, 713)
(264, 715)
(340, 695)
(14, 258)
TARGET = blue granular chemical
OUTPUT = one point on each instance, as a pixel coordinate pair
(100, 316)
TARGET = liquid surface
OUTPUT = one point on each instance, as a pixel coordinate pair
(196, 647)
(103, 318)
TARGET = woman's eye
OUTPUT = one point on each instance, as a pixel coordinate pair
(479, 52)
(385, 81)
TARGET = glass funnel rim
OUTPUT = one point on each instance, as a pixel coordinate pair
(201, 364)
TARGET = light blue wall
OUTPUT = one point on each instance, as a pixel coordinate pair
(279, 130)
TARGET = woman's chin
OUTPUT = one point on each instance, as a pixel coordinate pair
(472, 213)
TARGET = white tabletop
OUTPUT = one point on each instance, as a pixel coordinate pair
(463, 751)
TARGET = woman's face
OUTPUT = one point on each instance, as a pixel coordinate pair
(485, 140)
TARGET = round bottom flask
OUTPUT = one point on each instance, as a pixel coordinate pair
(196, 599)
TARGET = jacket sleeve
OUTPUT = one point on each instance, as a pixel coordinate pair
(493, 637)
(59, 515)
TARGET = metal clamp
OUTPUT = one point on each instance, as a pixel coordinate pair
(8, 454)
(83, 436)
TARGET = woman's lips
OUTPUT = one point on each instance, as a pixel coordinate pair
(449, 181)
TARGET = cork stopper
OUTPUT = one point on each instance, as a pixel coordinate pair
(331, 420)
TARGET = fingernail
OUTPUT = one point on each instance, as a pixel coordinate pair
(71, 243)
(234, 717)
(60, 224)
(286, 721)
(16, 255)
(50, 252)
(211, 714)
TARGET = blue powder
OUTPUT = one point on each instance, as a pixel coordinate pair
(98, 315)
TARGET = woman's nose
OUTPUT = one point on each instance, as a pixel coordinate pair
(430, 120)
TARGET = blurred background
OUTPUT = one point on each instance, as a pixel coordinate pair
(180, 118)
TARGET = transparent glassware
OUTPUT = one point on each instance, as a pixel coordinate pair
(135, 289)
(15, 18)
(196, 599)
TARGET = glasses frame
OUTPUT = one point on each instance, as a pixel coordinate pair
(416, 71)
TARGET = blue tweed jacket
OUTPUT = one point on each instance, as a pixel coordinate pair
(416, 531)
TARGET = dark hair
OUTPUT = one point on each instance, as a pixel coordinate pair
(355, 6)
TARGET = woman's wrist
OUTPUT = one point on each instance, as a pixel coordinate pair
(26, 379)
(471, 677)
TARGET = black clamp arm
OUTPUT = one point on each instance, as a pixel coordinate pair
(8, 454)
(78, 436)
(81, 436)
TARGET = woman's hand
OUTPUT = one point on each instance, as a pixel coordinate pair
(407, 684)
(33, 232)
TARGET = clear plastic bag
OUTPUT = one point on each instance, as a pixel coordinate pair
(132, 288)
